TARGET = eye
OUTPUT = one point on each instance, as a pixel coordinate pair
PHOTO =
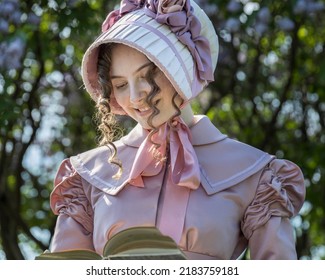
(120, 85)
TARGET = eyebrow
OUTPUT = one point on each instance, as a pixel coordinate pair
(136, 71)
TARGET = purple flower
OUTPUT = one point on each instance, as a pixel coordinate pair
(300, 7)
(7, 8)
(264, 15)
(308, 6)
(14, 52)
(15, 17)
(315, 7)
(234, 6)
(4, 26)
(232, 24)
(33, 19)
(261, 28)
(286, 24)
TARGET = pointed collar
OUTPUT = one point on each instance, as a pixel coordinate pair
(238, 159)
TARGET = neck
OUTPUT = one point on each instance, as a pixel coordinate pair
(187, 115)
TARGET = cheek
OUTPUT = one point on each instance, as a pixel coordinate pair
(167, 89)
(162, 81)
(179, 101)
(121, 99)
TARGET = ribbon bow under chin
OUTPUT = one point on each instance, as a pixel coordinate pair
(185, 170)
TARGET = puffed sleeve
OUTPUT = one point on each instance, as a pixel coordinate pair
(266, 224)
(74, 225)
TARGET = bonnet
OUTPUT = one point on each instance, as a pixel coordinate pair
(176, 35)
(179, 38)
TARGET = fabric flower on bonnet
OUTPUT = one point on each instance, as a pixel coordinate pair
(170, 6)
(178, 15)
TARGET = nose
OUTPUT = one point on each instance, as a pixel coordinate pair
(137, 96)
(138, 93)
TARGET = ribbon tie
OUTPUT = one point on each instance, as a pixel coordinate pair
(184, 165)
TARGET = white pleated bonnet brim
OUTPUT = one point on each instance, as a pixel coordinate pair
(159, 44)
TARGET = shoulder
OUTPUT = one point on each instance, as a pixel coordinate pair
(229, 150)
(94, 166)
(224, 162)
(97, 158)
(214, 147)
(68, 188)
(280, 192)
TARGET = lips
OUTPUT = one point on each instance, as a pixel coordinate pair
(143, 111)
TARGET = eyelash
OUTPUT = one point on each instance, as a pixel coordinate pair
(120, 86)
(153, 69)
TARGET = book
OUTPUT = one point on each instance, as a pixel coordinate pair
(135, 243)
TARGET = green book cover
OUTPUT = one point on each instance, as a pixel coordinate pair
(136, 243)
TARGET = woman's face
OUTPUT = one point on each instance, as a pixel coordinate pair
(129, 68)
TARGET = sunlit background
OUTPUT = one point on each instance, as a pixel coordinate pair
(269, 92)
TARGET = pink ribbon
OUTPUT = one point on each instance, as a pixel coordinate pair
(185, 170)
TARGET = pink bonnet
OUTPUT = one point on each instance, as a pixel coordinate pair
(174, 34)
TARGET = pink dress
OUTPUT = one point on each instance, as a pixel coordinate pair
(245, 200)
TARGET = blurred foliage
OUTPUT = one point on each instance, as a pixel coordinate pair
(269, 92)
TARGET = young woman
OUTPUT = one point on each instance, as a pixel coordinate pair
(175, 170)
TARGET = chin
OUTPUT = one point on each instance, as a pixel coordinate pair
(147, 126)
(156, 124)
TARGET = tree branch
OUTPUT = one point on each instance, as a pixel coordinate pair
(270, 126)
